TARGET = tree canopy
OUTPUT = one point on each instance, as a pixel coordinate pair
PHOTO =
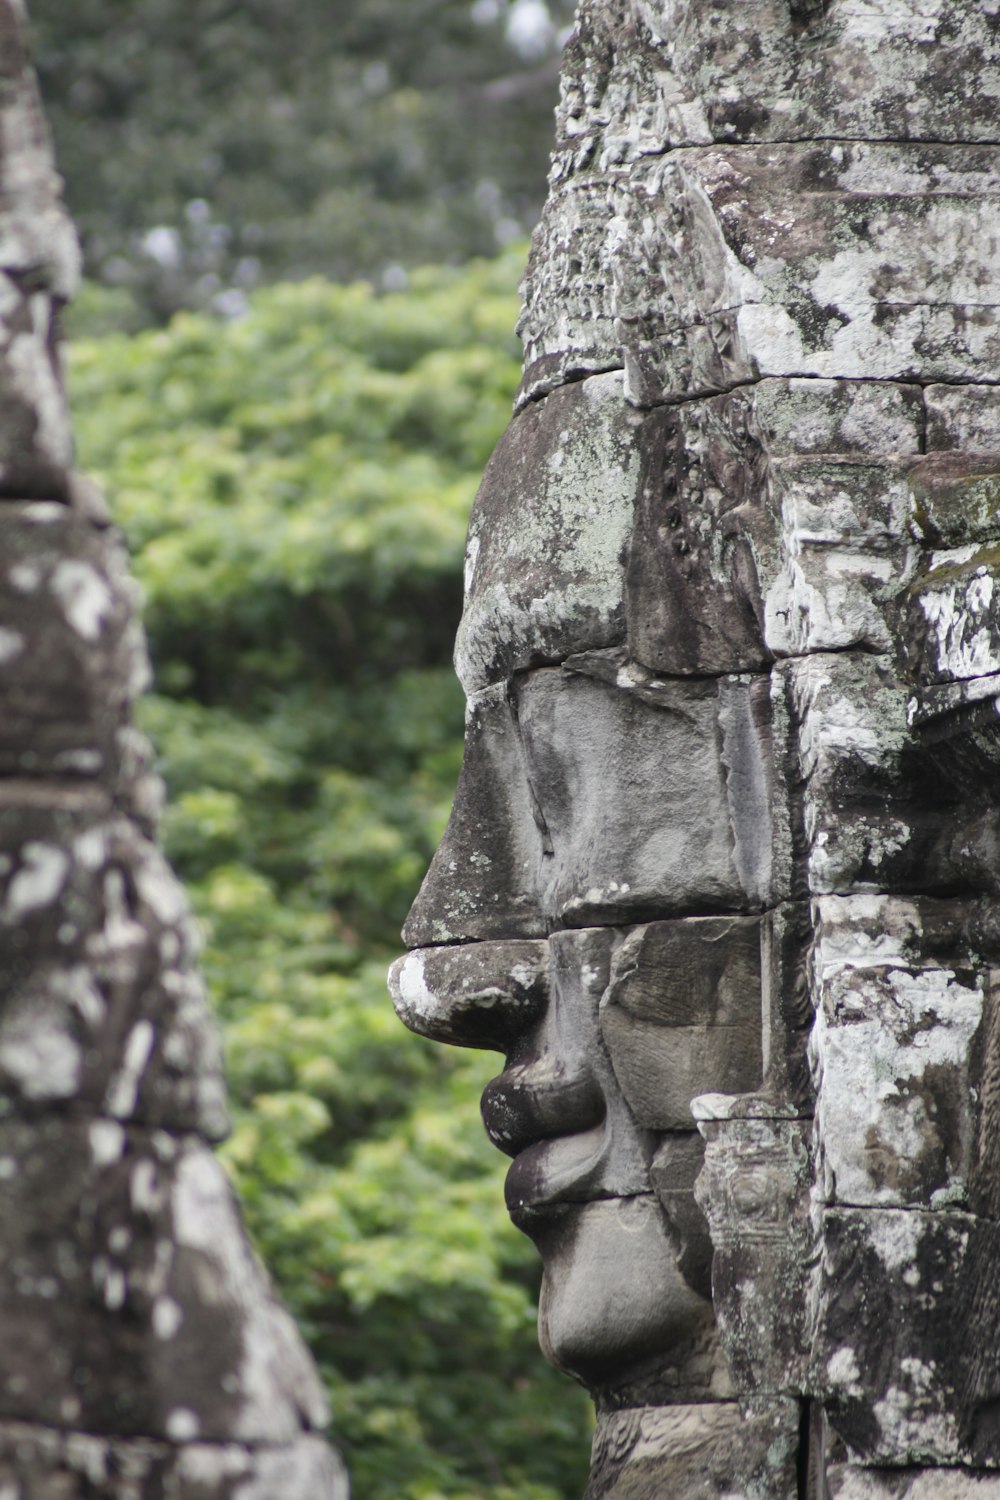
(295, 485)
(211, 145)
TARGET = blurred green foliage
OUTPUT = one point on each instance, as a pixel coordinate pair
(294, 485)
(210, 145)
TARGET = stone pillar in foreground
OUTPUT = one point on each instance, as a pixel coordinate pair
(143, 1353)
(722, 874)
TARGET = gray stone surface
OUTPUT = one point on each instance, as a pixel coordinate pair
(905, 1343)
(144, 1354)
(135, 1246)
(548, 532)
(850, 1482)
(38, 1463)
(709, 266)
(764, 763)
(720, 1451)
(682, 1015)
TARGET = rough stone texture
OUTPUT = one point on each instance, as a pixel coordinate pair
(709, 1452)
(902, 1052)
(848, 1482)
(145, 1355)
(552, 822)
(544, 556)
(682, 1015)
(754, 1193)
(750, 730)
(904, 1352)
(38, 1463)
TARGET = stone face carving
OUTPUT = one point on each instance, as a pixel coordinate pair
(144, 1352)
(722, 874)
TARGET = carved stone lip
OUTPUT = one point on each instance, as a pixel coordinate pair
(558, 1172)
(552, 1119)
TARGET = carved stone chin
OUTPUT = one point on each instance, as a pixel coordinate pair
(723, 870)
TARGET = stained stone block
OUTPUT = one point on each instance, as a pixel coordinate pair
(544, 556)
(557, 1108)
(952, 624)
(473, 995)
(125, 1240)
(38, 1463)
(100, 1001)
(745, 261)
(754, 1191)
(71, 654)
(905, 1345)
(906, 1052)
(484, 879)
(897, 1054)
(645, 77)
(877, 813)
(852, 1482)
(714, 1451)
(682, 1015)
(634, 793)
(963, 417)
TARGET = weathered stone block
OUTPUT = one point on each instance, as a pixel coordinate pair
(635, 798)
(876, 812)
(38, 1463)
(72, 657)
(553, 821)
(484, 879)
(952, 616)
(703, 532)
(906, 1338)
(549, 529)
(100, 1001)
(615, 1309)
(852, 1482)
(906, 1052)
(643, 77)
(898, 1053)
(132, 1301)
(754, 1191)
(673, 1173)
(965, 417)
(714, 1451)
(682, 1015)
(711, 266)
(39, 267)
(847, 553)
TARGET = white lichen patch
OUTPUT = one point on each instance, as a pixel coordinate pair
(893, 1057)
(182, 1425)
(12, 644)
(38, 881)
(914, 1416)
(107, 1142)
(167, 1317)
(960, 617)
(123, 1089)
(84, 595)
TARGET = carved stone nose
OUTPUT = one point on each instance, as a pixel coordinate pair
(476, 995)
